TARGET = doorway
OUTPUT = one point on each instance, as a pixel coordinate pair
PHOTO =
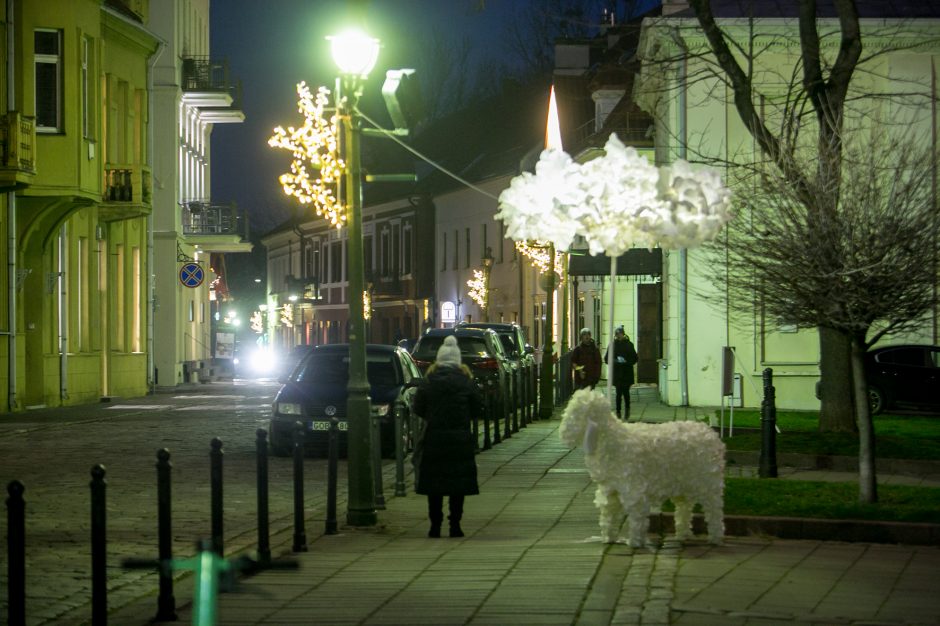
(649, 339)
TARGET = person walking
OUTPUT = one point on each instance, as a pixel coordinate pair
(624, 355)
(586, 361)
(444, 457)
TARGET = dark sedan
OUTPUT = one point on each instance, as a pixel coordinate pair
(315, 391)
(903, 375)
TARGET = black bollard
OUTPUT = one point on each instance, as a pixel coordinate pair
(514, 402)
(505, 400)
(300, 532)
(261, 451)
(166, 602)
(399, 453)
(494, 413)
(215, 482)
(487, 444)
(16, 554)
(526, 395)
(475, 427)
(767, 467)
(376, 436)
(331, 477)
(99, 564)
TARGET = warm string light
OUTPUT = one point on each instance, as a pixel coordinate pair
(478, 288)
(537, 253)
(366, 306)
(287, 315)
(313, 146)
(257, 322)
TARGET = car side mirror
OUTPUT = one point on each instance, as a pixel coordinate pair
(529, 349)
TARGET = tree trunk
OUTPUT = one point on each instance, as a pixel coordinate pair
(867, 482)
(835, 390)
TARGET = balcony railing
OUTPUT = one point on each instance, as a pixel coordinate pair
(126, 192)
(17, 149)
(205, 74)
(202, 217)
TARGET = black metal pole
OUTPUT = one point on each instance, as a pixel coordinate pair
(99, 572)
(487, 444)
(494, 413)
(399, 453)
(767, 467)
(300, 532)
(261, 449)
(377, 462)
(331, 477)
(166, 602)
(16, 554)
(215, 480)
(505, 401)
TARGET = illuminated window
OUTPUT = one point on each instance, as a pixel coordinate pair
(136, 302)
(86, 105)
(120, 305)
(47, 48)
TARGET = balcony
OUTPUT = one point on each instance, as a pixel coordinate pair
(215, 227)
(207, 85)
(17, 150)
(127, 192)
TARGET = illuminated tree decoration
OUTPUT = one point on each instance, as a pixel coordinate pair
(257, 322)
(537, 253)
(287, 315)
(313, 146)
(478, 288)
(366, 306)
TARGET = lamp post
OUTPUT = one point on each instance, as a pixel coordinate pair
(487, 266)
(355, 54)
(547, 382)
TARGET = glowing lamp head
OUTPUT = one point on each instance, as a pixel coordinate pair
(354, 52)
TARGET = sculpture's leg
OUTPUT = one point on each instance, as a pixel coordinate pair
(682, 518)
(639, 522)
(611, 517)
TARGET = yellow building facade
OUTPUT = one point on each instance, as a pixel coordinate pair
(76, 201)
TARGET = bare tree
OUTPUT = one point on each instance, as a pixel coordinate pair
(862, 267)
(781, 107)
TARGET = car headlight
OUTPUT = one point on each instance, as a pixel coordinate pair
(287, 408)
(380, 410)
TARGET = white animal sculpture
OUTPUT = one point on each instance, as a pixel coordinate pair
(637, 465)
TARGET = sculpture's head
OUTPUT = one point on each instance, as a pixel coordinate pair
(585, 409)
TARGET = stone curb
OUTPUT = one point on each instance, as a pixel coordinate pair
(851, 531)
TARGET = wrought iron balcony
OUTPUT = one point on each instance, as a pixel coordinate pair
(215, 227)
(127, 192)
(17, 150)
(207, 85)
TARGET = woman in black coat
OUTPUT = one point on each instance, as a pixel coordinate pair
(625, 358)
(444, 459)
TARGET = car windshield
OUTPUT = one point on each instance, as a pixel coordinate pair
(426, 350)
(332, 368)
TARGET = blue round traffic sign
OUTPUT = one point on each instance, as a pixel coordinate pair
(192, 275)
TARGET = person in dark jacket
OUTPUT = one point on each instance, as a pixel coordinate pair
(586, 362)
(624, 359)
(447, 401)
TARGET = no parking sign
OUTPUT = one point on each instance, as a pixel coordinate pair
(192, 275)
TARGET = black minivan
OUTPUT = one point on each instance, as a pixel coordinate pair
(315, 391)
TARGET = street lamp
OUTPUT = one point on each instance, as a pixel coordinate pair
(487, 266)
(355, 55)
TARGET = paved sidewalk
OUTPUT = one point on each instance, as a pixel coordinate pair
(532, 555)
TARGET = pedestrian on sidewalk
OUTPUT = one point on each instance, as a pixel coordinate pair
(624, 355)
(444, 456)
(586, 362)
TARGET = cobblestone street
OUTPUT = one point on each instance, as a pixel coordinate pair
(52, 451)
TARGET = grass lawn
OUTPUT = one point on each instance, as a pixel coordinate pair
(897, 436)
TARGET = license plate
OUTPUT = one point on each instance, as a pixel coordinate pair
(321, 425)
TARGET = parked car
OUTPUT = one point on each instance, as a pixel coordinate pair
(518, 351)
(315, 391)
(907, 374)
(480, 349)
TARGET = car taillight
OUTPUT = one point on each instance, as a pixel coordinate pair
(486, 364)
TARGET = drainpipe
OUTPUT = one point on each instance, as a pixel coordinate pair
(11, 229)
(63, 326)
(151, 276)
(683, 259)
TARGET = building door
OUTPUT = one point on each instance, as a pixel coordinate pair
(649, 339)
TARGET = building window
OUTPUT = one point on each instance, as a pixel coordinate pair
(502, 242)
(48, 68)
(120, 304)
(336, 262)
(136, 301)
(443, 251)
(385, 267)
(456, 250)
(483, 240)
(367, 257)
(406, 261)
(597, 318)
(86, 77)
(396, 250)
(467, 247)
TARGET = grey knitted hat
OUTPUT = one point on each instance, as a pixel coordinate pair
(449, 352)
